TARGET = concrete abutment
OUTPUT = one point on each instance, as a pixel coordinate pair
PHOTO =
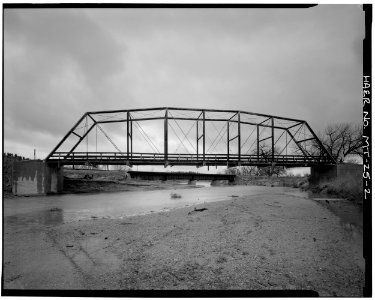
(35, 177)
(321, 174)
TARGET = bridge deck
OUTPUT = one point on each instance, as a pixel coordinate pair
(121, 158)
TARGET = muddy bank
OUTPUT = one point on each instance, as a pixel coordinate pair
(286, 181)
(345, 187)
(261, 242)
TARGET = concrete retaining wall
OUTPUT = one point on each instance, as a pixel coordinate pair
(327, 173)
(354, 170)
(34, 177)
(8, 160)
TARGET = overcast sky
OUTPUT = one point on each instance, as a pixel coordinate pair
(59, 63)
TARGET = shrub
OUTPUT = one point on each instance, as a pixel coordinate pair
(345, 187)
(175, 195)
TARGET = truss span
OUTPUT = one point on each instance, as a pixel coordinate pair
(182, 136)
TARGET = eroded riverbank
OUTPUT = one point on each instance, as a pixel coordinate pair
(270, 239)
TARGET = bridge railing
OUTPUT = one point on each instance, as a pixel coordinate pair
(121, 157)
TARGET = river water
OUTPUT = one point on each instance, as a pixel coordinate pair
(57, 209)
(73, 207)
(47, 211)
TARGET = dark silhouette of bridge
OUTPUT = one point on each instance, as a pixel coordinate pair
(201, 137)
(180, 176)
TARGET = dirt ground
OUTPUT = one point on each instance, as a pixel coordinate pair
(264, 242)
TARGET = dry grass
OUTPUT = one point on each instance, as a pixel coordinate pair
(345, 187)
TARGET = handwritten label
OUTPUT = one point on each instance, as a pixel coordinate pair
(366, 95)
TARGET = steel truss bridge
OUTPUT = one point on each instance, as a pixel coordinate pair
(199, 137)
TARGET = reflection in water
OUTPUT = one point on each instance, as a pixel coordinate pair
(44, 217)
(51, 217)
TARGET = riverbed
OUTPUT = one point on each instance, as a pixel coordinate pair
(223, 237)
(75, 207)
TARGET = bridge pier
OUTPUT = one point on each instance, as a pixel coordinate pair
(35, 177)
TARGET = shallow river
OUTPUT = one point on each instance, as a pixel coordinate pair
(53, 210)
(73, 207)
(22, 212)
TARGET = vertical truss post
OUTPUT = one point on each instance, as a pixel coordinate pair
(166, 138)
(204, 137)
(227, 143)
(257, 142)
(239, 137)
(286, 143)
(273, 139)
(127, 136)
(131, 138)
(87, 138)
(197, 139)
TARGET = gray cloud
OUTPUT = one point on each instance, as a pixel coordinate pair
(67, 34)
(303, 64)
(57, 63)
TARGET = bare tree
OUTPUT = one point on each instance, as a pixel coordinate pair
(249, 170)
(232, 171)
(265, 153)
(342, 139)
(243, 170)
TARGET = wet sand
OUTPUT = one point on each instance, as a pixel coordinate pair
(269, 241)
